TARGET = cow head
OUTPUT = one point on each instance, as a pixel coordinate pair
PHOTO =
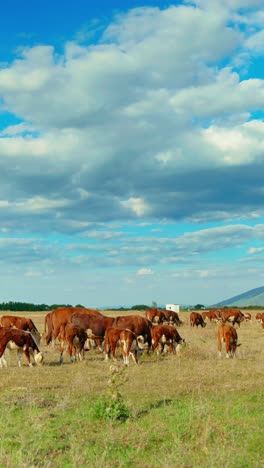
(38, 357)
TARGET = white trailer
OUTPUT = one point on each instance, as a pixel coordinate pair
(174, 307)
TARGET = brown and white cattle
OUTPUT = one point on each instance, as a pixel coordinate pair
(22, 323)
(232, 315)
(212, 316)
(58, 317)
(22, 341)
(247, 316)
(172, 317)
(131, 344)
(165, 335)
(141, 326)
(196, 319)
(227, 334)
(73, 338)
(95, 325)
(155, 315)
(259, 316)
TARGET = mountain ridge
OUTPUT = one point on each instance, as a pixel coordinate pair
(253, 297)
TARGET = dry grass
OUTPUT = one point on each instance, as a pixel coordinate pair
(208, 396)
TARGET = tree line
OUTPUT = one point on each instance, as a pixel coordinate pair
(28, 306)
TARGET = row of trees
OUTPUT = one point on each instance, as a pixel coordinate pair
(27, 306)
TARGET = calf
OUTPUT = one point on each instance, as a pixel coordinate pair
(212, 316)
(23, 342)
(131, 344)
(165, 335)
(228, 335)
(196, 319)
(74, 337)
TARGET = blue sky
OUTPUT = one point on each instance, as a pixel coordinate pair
(131, 151)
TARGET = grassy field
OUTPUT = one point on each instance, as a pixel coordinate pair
(191, 410)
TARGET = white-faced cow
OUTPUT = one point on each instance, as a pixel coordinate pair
(162, 335)
(22, 341)
(131, 344)
(22, 323)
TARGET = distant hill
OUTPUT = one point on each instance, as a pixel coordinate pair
(254, 297)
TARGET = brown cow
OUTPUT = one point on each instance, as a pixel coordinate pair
(97, 324)
(232, 315)
(137, 324)
(155, 315)
(228, 335)
(21, 340)
(259, 316)
(211, 316)
(74, 338)
(130, 344)
(165, 335)
(61, 316)
(111, 339)
(172, 317)
(247, 316)
(196, 319)
(23, 323)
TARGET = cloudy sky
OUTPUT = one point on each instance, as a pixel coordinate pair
(131, 151)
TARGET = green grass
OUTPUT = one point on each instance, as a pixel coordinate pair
(192, 430)
(191, 410)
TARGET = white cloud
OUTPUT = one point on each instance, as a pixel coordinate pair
(145, 271)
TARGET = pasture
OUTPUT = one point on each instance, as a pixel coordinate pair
(189, 410)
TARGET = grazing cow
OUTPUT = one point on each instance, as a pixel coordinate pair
(95, 324)
(141, 326)
(165, 335)
(232, 315)
(111, 340)
(61, 316)
(247, 316)
(196, 319)
(172, 317)
(155, 315)
(212, 316)
(74, 337)
(228, 335)
(21, 340)
(259, 316)
(23, 323)
(131, 345)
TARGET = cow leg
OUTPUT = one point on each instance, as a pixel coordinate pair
(113, 351)
(26, 352)
(219, 347)
(134, 356)
(3, 362)
(61, 352)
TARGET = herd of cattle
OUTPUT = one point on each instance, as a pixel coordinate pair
(78, 330)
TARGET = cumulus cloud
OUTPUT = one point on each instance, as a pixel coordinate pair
(156, 122)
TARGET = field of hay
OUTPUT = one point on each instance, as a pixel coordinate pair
(186, 411)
